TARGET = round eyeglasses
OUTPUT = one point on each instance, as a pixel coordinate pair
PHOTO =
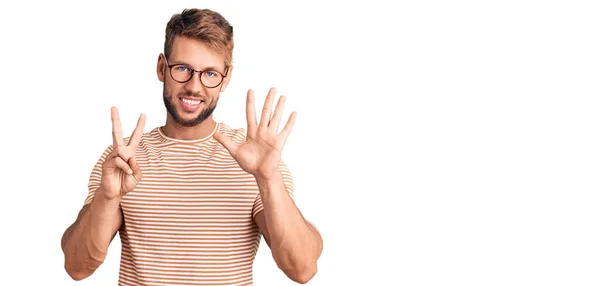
(183, 73)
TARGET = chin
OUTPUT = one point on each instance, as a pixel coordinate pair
(188, 116)
(188, 119)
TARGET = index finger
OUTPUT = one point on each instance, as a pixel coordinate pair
(117, 133)
(136, 136)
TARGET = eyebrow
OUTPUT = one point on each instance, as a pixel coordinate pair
(175, 62)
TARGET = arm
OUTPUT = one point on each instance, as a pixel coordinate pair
(295, 244)
(85, 243)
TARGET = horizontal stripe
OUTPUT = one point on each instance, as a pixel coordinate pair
(189, 221)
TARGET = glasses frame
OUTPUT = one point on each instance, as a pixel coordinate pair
(200, 72)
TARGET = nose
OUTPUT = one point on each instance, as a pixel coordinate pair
(194, 85)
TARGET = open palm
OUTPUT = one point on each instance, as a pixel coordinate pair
(260, 154)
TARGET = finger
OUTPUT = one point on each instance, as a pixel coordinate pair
(266, 112)
(120, 152)
(137, 171)
(136, 136)
(287, 129)
(274, 125)
(121, 164)
(116, 127)
(227, 143)
(250, 112)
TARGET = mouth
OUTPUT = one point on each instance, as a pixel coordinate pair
(190, 104)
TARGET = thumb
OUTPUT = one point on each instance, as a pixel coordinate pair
(226, 142)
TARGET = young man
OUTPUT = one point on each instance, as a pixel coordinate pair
(190, 199)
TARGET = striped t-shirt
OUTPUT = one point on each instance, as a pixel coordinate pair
(189, 221)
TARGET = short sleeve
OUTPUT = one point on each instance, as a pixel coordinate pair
(96, 176)
(287, 182)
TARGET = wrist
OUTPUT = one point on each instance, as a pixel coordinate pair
(268, 176)
(268, 180)
(270, 185)
(104, 202)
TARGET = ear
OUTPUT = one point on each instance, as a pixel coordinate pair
(160, 68)
(227, 78)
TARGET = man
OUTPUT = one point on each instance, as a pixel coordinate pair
(190, 199)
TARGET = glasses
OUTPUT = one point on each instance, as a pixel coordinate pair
(183, 73)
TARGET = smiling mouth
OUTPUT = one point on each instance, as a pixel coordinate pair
(191, 101)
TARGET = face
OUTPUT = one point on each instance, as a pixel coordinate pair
(190, 103)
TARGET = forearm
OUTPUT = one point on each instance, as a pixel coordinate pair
(294, 243)
(85, 243)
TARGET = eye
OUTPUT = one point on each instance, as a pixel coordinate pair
(211, 74)
(182, 68)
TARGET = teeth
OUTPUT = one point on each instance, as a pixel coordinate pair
(191, 102)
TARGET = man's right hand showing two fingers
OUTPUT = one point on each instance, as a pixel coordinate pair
(120, 170)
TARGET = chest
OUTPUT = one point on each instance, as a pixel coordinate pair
(190, 190)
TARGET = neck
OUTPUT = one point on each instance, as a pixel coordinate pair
(175, 130)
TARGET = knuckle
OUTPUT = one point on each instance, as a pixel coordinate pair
(123, 152)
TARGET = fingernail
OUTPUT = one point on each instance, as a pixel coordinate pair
(129, 172)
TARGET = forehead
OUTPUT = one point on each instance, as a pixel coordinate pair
(195, 53)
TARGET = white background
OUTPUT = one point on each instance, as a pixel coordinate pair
(437, 142)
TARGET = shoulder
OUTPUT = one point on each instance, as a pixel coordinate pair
(152, 136)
